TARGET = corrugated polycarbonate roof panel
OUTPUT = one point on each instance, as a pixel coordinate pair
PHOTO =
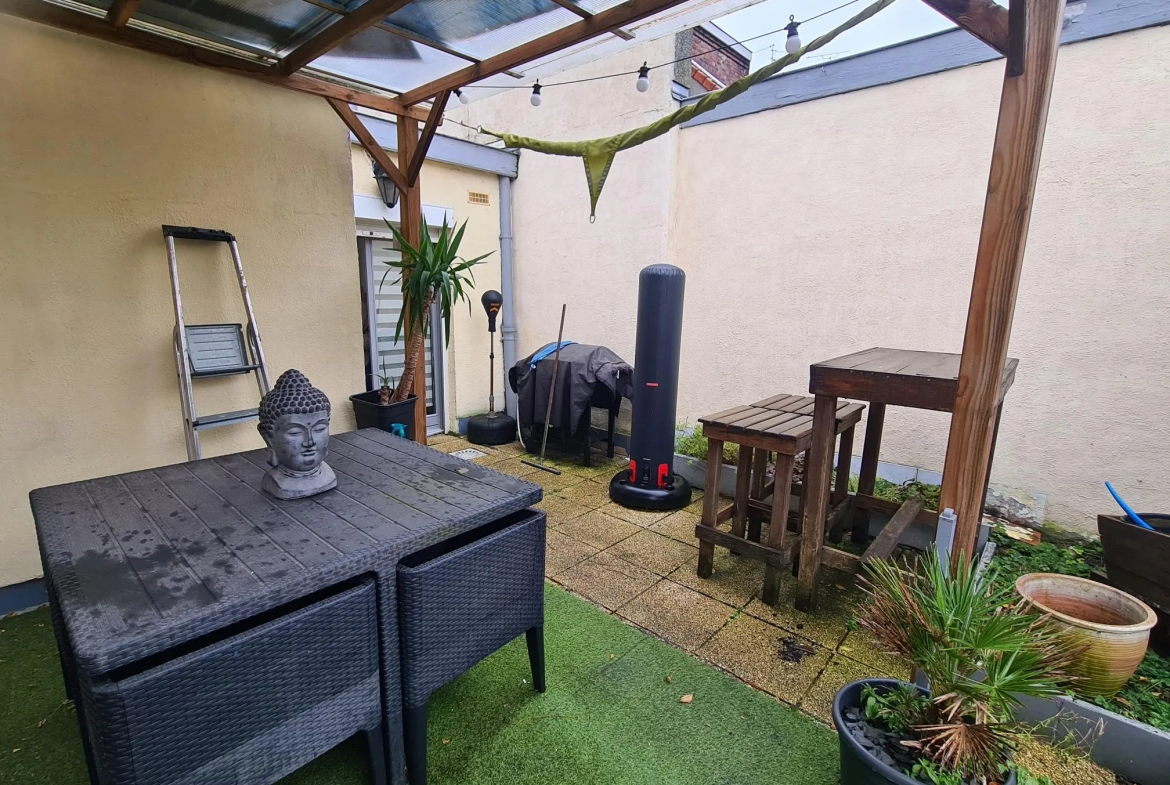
(483, 28)
(387, 61)
(268, 25)
(377, 58)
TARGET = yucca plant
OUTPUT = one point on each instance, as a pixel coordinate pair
(980, 646)
(386, 382)
(433, 272)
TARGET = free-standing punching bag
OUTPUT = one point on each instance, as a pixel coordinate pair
(494, 427)
(650, 482)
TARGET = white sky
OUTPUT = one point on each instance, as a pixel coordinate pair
(902, 21)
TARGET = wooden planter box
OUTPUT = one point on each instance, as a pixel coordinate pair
(1136, 559)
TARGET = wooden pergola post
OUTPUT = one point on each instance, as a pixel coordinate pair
(1035, 27)
(409, 221)
(411, 154)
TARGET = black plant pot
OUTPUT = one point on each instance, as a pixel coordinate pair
(371, 414)
(858, 766)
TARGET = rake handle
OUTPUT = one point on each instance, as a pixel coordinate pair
(553, 387)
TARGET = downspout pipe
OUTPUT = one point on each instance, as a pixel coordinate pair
(508, 315)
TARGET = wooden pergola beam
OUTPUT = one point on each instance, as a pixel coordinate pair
(368, 142)
(367, 14)
(424, 140)
(97, 27)
(607, 21)
(1015, 162)
(121, 11)
(981, 18)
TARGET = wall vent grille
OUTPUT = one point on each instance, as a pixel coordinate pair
(478, 197)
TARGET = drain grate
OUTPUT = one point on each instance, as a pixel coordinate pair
(468, 454)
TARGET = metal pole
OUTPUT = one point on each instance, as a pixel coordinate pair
(508, 317)
(492, 374)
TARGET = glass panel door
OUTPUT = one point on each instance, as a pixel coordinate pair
(383, 299)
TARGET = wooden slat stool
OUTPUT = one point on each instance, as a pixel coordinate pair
(781, 424)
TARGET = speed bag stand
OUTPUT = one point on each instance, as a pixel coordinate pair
(650, 482)
(494, 427)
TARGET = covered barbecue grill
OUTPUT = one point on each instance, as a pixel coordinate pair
(589, 376)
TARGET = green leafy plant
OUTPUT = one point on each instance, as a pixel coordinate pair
(892, 492)
(926, 771)
(1025, 777)
(979, 647)
(430, 272)
(899, 709)
(1014, 558)
(693, 444)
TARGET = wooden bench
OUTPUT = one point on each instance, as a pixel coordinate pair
(781, 424)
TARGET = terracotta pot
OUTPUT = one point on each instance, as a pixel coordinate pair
(1113, 626)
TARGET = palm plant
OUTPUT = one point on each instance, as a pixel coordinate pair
(980, 647)
(431, 272)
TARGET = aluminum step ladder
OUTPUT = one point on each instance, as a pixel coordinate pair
(206, 351)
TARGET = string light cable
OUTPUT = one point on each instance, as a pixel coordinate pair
(792, 43)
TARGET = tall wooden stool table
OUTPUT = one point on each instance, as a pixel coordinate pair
(884, 377)
(782, 424)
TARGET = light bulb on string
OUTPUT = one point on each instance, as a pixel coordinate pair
(643, 83)
(463, 99)
(792, 45)
(535, 99)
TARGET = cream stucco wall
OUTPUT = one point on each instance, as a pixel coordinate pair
(852, 221)
(99, 146)
(560, 257)
(447, 186)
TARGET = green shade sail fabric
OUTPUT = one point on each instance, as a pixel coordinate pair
(598, 154)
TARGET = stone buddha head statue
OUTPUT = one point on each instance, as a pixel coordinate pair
(294, 421)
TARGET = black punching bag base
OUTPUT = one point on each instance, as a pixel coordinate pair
(637, 497)
(491, 429)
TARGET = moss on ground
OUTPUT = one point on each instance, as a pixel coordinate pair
(1046, 764)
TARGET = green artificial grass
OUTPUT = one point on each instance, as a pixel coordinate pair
(611, 716)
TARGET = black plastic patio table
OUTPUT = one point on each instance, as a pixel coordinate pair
(144, 565)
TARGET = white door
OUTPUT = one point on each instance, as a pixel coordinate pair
(383, 302)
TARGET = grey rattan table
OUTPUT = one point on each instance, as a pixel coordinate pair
(148, 569)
